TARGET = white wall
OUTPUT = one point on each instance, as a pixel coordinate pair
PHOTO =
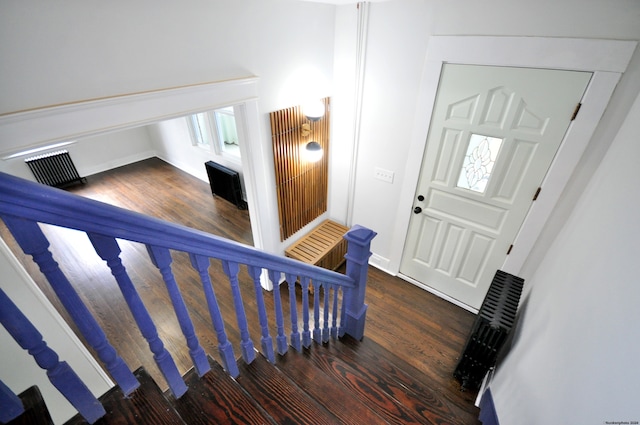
(94, 154)
(70, 51)
(74, 52)
(575, 354)
(399, 33)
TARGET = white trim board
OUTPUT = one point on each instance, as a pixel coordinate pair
(38, 127)
(33, 128)
(607, 59)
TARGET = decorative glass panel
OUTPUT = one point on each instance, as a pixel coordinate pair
(478, 162)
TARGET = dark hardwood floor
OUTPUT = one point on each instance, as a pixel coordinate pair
(420, 329)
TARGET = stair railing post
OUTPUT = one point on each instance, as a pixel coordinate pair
(161, 258)
(108, 249)
(34, 243)
(358, 252)
(59, 373)
(225, 349)
(10, 404)
(246, 344)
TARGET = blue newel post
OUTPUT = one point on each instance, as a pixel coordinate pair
(358, 252)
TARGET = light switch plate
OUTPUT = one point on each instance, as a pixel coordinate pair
(384, 175)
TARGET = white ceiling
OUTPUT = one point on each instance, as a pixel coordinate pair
(341, 2)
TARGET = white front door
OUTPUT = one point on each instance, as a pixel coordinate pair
(494, 133)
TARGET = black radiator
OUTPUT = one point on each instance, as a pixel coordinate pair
(54, 169)
(495, 320)
(225, 183)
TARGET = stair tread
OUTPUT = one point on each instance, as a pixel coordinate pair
(322, 387)
(216, 398)
(404, 382)
(35, 409)
(367, 384)
(282, 399)
(146, 405)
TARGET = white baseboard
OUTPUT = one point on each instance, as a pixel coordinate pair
(380, 262)
(120, 162)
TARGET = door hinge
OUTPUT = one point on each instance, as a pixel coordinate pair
(535, 196)
(575, 111)
(509, 250)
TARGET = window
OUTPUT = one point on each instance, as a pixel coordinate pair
(478, 162)
(217, 130)
(227, 131)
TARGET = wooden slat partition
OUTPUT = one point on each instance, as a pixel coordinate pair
(301, 185)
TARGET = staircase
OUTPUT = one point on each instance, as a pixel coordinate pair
(313, 365)
(342, 382)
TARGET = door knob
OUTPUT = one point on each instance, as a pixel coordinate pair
(417, 210)
(420, 198)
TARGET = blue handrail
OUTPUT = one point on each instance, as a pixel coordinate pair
(33, 201)
(24, 204)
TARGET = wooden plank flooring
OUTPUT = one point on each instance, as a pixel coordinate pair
(423, 331)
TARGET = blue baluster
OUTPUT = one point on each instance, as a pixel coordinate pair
(325, 322)
(343, 314)
(10, 404)
(334, 314)
(201, 264)
(108, 249)
(306, 334)
(281, 338)
(33, 242)
(317, 332)
(161, 258)
(358, 253)
(246, 345)
(293, 312)
(265, 340)
(60, 373)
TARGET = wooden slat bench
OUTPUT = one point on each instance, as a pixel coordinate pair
(324, 246)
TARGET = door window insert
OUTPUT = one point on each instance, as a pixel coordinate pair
(478, 162)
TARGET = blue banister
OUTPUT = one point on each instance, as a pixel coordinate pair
(358, 252)
(10, 404)
(26, 199)
(266, 341)
(107, 248)
(295, 340)
(248, 352)
(306, 333)
(334, 313)
(281, 338)
(317, 331)
(24, 204)
(225, 349)
(59, 373)
(34, 243)
(161, 258)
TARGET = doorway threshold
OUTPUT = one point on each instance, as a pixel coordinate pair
(438, 293)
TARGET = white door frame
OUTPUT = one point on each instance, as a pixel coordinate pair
(607, 59)
(48, 125)
(45, 126)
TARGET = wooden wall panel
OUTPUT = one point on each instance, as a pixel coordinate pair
(301, 185)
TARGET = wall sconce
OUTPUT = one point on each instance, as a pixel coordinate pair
(313, 151)
(313, 110)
